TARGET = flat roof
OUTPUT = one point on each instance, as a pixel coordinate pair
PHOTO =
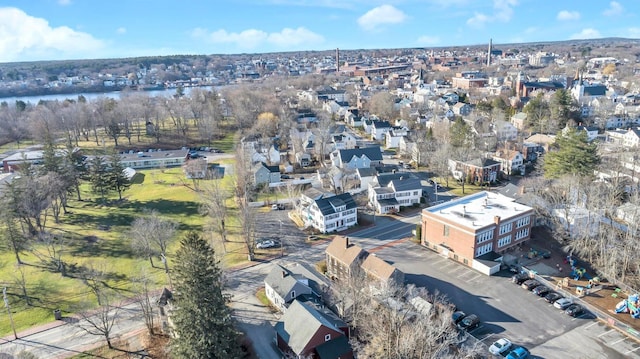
(478, 210)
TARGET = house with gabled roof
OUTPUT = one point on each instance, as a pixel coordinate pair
(390, 191)
(381, 272)
(393, 137)
(379, 129)
(357, 157)
(478, 170)
(330, 214)
(308, 332)
(342, 258)
(461, 109)
(265, 174)
(631, 139)
(282, 287)
(511, 162)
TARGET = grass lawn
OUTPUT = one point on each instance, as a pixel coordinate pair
(95, 237)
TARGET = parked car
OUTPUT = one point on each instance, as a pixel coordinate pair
(518, 352)
(266, 244)
(215, 150)
(541, 290)
(530, 284)
(458, 316)
(562, 303)
(285, 177)
(551, 297)
(277, 206)
(469, 322)
(500, 346)
(574, 310)
(519, 278)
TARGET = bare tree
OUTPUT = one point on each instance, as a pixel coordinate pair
(20, 281)
(213, 204)
(150, 236)
(141, 286)
(100, 322)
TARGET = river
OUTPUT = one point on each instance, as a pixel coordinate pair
(92, 96)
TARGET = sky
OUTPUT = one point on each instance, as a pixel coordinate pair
(84, 29)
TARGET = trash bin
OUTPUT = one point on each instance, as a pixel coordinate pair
(57, 314)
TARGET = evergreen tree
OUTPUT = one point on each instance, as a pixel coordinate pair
(575, 155)
(202, 319)
(461, 134)
(99, 176)
(117, 179)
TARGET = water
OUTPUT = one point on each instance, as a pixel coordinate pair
(92, 96)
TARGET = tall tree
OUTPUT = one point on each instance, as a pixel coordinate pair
(575, 155)
(539, 115)
(98, 176)
(461, 134)
(116, 176)
(151, 235)
(203, 322)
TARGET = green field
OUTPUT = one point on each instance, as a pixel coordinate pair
(95, 237)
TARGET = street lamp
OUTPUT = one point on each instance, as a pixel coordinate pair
(6, 304)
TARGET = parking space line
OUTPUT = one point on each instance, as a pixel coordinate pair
(607, 332)
(465, 273)
(618, 341)
(591, 325)
(631, 351)
(474, 278)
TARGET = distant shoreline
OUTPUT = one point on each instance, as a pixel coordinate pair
(74, 90)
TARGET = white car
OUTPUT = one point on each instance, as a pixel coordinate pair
(266, 244)
(500, 346)
(562, 303)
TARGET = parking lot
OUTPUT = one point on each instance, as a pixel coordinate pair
(506, 310)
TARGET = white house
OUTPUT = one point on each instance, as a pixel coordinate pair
(505, 131)
(631, 138)
(343, 141)
(390, 191)
(281, 287)
(379, 129)
(511, 162)
(394, 136)
(331, 214)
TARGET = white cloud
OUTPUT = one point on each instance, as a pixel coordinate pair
(64, 2)
(287, 38)
(381, 15)
(121, 30)
(632, 33)
(565, 15)
(428, 40)
(27, 38)
(588, 33)
(614, 9)
(502, 11)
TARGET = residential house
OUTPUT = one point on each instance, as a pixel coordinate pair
(357, 157)
(505, 131)
(343, 141)
(394, 136)
(540, 139)
(451, 98)
(531, 151)
(196, 168)
(282, 287)
(332, 214)
(631, 138)
(591, 131)
(366, 176)
(265, 174)
(306, 331)
(479, 170)
(519, 121)
(390, 191)
(380, 272)
(303, 159)
(343, 258)
(338, 108)
(511, 162)
(476, 229)
(329, 93)
(461, 109)
(615, 136)
(379, 129)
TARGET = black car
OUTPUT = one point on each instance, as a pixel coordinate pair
(530, 284)
(519, 278)
(457, 316)
(551, 297)
(541, 290)
(574, 310)
(469, 322)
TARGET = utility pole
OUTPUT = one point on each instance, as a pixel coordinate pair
(281, 241)
(6, 304)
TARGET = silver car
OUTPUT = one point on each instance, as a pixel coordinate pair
(562, 303)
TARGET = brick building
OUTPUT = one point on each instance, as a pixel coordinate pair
(477, 229)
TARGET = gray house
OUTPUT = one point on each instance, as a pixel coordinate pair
(282, 286)
(266, 174)
(357, 158)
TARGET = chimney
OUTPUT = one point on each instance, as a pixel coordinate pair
(521, 190)
(464, 210)
(496, 220)
(346, 242)
(284, 274)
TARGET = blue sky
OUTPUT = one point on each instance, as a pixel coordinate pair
(73, 29)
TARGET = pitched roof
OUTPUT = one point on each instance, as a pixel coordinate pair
(272, 169)
(334, 348)
(343, 251)
(299, 324)
(385, 178)
(281, 280)
(373, 153)
(328, 205)
(378, 268)
(483, 162)
(366, 172)
(381, 124)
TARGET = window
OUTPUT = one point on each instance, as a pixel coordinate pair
(504, 241)
(522, 233)
(506, 228)
(484, 249)
(327, 337)
(484, 236)
(523, 221)
(445, 231)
